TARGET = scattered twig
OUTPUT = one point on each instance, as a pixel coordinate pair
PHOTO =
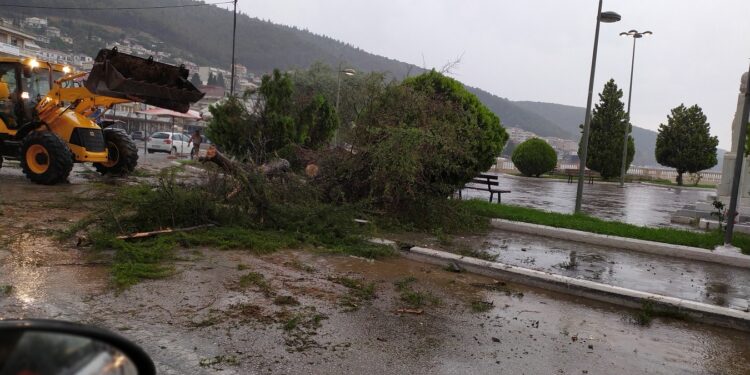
(410, 311)
(139, 235)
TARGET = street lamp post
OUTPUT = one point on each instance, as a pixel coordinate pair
(234, 37)
(739, 158)
(607, 17)
(623, 169)
(348, 72)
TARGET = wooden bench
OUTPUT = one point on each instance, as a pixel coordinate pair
(587, 174)
(485, 182)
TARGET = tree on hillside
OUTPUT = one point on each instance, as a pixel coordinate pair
(211, 80)
(196, 80)
(508, 149)
(685, 142)
(609, 121)
(220, 80)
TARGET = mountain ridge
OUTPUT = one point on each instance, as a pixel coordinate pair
(195, 34)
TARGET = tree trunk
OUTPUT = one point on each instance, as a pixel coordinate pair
(679, 177)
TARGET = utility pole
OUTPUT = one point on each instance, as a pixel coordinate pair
(608, 17)
(623, 169)
(234, 37)
(739, 158)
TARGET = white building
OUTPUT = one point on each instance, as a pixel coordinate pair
(35, 22)
(53, 32)
(16, 42)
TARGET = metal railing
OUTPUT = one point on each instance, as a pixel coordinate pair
(504, 165)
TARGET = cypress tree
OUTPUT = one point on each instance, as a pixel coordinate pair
(609, 121)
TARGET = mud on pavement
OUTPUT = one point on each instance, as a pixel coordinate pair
(300, 312)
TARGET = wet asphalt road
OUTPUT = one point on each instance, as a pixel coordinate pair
(199, 322)
(635, 204)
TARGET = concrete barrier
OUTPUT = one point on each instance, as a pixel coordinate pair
(701, 312)
(650, 247)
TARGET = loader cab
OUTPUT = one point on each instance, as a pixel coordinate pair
(22, 85)
(12, 107)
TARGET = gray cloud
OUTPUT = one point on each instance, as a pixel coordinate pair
(541, 49)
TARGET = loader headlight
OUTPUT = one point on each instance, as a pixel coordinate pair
(66, 69)
(33, 63)
(24, 95)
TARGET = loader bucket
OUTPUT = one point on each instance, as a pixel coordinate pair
(119, 75)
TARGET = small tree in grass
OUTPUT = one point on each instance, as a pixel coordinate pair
(534, 157)
(196, 80)
(685, 142)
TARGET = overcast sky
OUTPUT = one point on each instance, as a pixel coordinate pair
(540, 50)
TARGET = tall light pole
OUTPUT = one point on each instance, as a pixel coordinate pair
(234, 37)
(623, 169)
(607, 17)
(739, 158)
(348, 72)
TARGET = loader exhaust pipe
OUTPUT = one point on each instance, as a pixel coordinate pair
(119, 75)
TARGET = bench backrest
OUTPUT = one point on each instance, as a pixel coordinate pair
(486, 179)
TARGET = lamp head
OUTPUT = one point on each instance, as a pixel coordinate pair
(609, 17)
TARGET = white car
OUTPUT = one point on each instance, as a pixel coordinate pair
(171, 143)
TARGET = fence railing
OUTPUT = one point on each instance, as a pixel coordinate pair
(504, 165)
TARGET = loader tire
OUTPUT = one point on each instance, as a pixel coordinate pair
(45, 158)
(122, 153)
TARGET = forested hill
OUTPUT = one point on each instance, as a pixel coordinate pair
(203, 35)
(569, 118)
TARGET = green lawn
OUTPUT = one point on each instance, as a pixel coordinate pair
(705, 240)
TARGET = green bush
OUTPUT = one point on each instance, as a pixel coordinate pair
(416, 141)
(534, 157)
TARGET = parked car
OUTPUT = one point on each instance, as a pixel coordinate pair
(137, 135)
(171, 143)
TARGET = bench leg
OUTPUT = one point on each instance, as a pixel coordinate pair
(492, 195)
(459, 194)
(499, 198)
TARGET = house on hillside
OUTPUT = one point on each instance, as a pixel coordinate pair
(214, 94)
(53, 32)
(518, 135)
(16, 42)
(34, 22)
(67, 39)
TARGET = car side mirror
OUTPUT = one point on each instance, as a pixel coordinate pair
(4, 91)
(34, 346)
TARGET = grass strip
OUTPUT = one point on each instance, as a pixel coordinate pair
(586, 223)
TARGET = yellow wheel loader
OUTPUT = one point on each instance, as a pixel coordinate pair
(45, 111)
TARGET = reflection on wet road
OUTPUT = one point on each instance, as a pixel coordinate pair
(693, 280)
(635, 204)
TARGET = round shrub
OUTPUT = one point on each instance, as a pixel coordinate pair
(534, 157)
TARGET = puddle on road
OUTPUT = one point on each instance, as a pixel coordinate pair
(40, 272)
(693, 280)
(636, 204)
(538, 331)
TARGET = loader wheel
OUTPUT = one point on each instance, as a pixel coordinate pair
(45, 158)
(122, 153)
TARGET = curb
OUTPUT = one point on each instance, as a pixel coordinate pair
(677, 187)
(643, 246)
(700, 312)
